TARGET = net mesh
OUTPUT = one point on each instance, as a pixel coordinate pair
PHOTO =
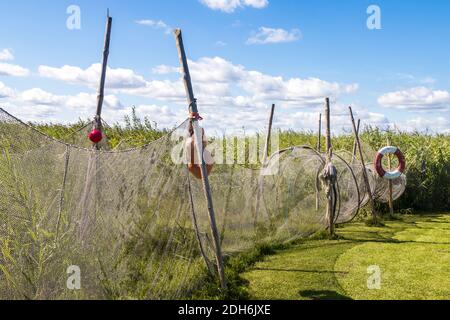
(135, 222)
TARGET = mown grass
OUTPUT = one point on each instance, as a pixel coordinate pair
(412, 253)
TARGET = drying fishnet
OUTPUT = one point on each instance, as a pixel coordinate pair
(136, 224)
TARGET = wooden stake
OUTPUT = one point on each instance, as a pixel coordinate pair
(319, 147)
(366, 178)
(101, 90)
(391, 200)
(329, 149)
(264, 162)
(319, 134)
(269, 135)
(199, 144)
(355, 144)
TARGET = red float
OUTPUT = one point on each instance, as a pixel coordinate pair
(95, 136)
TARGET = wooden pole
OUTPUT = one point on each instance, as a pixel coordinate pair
(355, 144)
(329, 149)
(269, 135)
(198, 139)
(101, 89)
(319, 134)
(366, 178)
(319, 147)
(391, 200)
(264, 162)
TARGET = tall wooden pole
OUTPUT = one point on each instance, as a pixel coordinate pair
(366, 178)
(330, 209)
(101, 89)
(391, 200)
(198, 139)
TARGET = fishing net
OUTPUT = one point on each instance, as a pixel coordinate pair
(135, 223)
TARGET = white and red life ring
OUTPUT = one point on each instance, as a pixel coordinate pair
(379, 163)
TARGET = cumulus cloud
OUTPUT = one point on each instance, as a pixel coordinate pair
(6, 55)
(437, 124)
(230, 6)
(266, 35)
(217, 82)
(6, 92)
(8, 69)
(159, 25)
(418, 98)
(116, 78)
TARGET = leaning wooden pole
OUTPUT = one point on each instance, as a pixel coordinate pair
(264, 163)
(366, 178)
(101, 89)
(198, 139)
(329, 188)
(355, 144)
(268, 136)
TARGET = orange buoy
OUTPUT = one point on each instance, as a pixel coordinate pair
(194, 165)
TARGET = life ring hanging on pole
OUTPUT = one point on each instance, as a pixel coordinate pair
(379, 163)
(194, 164)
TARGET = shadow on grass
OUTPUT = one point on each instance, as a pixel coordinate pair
(300, 270)
(323, 295)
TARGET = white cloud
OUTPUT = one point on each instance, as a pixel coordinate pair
(217, 82)
(6, 55)
(418, 98)
(116, 78)
(38, 96)
(164, 69)
(421, 124)
(271, 35)
(7, 69)
(6, 92)
(230, 6)
(159, 25)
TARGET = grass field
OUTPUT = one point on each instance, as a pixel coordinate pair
(413, 255)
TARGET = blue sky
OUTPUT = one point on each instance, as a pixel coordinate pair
(244, 54)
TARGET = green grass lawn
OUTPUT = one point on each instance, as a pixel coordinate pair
(413, 255)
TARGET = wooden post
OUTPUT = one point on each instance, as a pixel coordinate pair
(391, 200)
(319, 147)
(329, 150)
(264, 162)
(269, 135)
(355, 144)
(366, 178)
(101, 89)
(319, 134)
(198, 139)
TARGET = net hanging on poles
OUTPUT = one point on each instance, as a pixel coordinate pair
(136, 223)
